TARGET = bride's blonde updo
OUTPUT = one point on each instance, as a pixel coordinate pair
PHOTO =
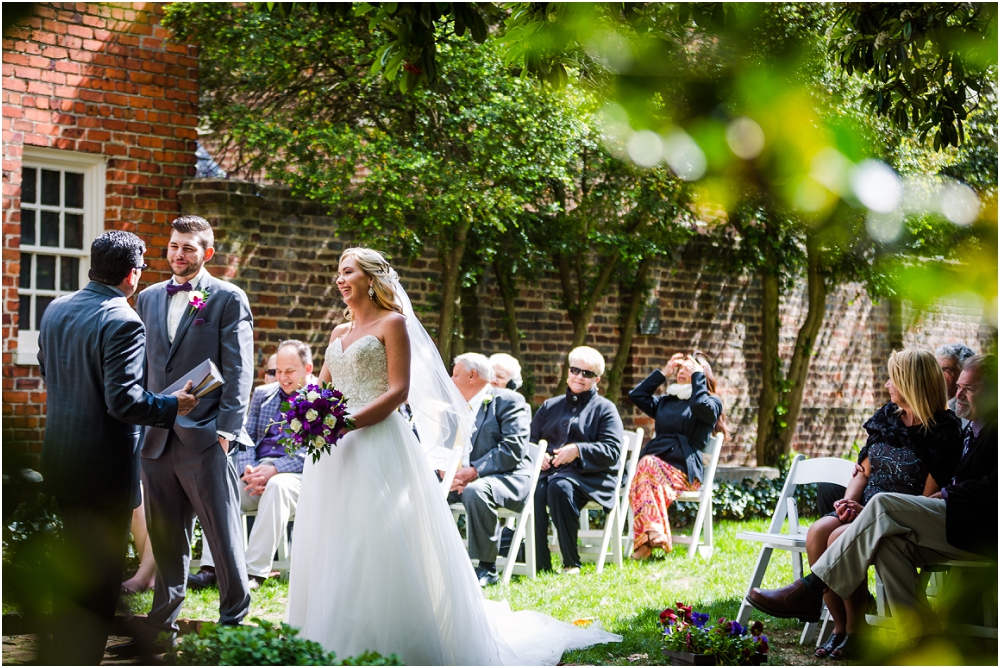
(377, 268)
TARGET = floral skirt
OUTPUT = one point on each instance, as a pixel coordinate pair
(654, 488)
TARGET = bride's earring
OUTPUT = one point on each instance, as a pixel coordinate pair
(371, 292)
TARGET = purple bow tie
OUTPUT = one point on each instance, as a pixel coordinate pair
(173, 288)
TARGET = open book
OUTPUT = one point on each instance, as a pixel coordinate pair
(206, 377)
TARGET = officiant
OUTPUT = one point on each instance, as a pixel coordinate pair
(497, 472)
(271, 476)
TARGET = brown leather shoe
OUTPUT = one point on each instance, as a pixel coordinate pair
(203, 579)
(795, 600)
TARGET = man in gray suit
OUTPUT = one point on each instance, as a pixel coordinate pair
(497, 473)
(91, 355)
(191, 469)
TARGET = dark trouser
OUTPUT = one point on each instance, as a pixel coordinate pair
(482, 498)
(826, 494)
(564, 501)
(178, 485)
(86, 577)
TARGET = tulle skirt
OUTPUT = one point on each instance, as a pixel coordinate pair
(378, 564)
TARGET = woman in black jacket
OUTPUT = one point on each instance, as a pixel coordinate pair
(686, 415)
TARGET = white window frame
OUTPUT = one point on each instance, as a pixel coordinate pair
(93, 167)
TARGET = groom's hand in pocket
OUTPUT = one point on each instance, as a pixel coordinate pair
(225, 445)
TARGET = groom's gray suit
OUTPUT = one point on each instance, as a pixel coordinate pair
(503, 465)
(185, 470)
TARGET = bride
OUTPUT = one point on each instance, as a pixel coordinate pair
(378, 562)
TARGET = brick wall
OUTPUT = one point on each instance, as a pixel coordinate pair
(284, 252)
(98, 79)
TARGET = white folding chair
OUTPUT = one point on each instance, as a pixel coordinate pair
(697, 544)
(802, 472)
(597, 544)
(449, 473)
(523, 523)
(935, 579)
(282, 561)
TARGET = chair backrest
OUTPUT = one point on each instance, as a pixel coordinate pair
(536, 451)
(714, 450)
(449, 474)
(807, 471)
(631, 449)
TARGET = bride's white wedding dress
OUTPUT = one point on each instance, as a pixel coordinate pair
(377, 562)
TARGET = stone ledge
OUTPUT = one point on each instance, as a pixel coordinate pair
(741, 473)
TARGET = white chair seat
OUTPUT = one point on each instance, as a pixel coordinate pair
(700, 540)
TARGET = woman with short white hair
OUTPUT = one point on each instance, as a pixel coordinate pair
(506, 371)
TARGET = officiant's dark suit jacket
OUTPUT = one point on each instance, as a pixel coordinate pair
(500, 442)
(221, 331)
(91, 355)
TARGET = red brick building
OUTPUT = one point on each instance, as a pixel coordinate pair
(99, 117)
(99, 132)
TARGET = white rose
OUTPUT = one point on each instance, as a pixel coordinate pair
(330, 421)
(295, 425)
(312, 396)
(327, 432)
(311, 414)
(318, 441)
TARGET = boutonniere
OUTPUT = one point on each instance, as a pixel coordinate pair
(487, 400)
(197, 300)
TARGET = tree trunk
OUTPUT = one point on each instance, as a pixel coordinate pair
(579, 311)
(508, 290)
(451, 272)
(804, 343)
(627, 332)
(768, 448)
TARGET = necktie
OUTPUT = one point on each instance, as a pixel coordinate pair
(173, 288)
(969, 436)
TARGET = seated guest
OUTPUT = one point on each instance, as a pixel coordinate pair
(951, 357)
(584, 434)
(686, 415)
(506, 371)
(271, 369)
(914, 443)
(899, 533)
(271, 477)
(497, 472)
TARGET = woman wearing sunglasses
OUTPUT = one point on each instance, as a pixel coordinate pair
(584, 432)
(686, 414)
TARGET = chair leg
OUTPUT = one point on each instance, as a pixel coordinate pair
(758, 576)
(708, 546)
(529, 546)
(515, 546)
(699, 522)
(602, 552)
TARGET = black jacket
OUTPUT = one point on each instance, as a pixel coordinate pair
(971, 501)
(592, 423)
(682, 427)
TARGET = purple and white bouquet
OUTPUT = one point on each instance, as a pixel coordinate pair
(315, 418)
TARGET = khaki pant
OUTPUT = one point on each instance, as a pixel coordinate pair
(274, 508)
(897, 533)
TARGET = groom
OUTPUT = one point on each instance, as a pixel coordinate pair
(496, 474)
(191, 469)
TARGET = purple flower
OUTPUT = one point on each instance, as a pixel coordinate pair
(735, 628)
(699, 619)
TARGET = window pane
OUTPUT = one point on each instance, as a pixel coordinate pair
(74, 190)
(69, 273)
(41, 303)
(74, 230)
(25, 280)
(29, 178)
(45, 272)
(27, 227)
(50, 187)
(50, 228)
(24, 312)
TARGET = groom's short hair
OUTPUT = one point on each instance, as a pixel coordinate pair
(113, 255)
(201, 228)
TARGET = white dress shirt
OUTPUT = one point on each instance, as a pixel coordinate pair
(474, 404)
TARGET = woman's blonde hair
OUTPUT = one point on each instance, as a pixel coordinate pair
(919, 379)
(376, 267)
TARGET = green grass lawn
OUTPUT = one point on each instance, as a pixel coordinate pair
(626, 600)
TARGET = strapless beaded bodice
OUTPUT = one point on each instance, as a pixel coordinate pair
(361, 372)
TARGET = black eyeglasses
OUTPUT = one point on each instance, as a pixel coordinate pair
(576, 371)
(270, 372)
